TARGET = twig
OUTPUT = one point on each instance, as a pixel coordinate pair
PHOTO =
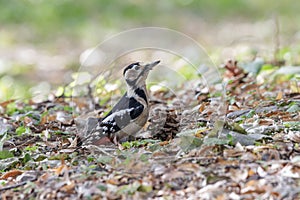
(104, 152)
(17, 185)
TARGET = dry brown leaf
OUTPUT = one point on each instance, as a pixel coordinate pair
(163, 143)
(13, 174)
(201, 133)
(5, 103)
(113, 182)
(250, 86)
(60, 170)
(269, 154)
(251, 172)
(80, 102)
(159, 154)
(44, 120)
(233, 69)
(279, 95)
(47, 118)
(172, 175)
(68, 188)
(27, 120)
(226, 162)
(254, 186)
(238, 175)
(266, 122)
(44, 176)
(249, 156)
(221, 197)
(188, 167)
(232, 153)
(202, 107)
(232, 108)
(273, 113)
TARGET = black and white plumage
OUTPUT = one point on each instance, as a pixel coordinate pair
(130, 114)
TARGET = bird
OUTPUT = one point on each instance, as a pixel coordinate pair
(130, 113)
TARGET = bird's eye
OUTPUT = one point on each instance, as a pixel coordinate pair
(136, 67)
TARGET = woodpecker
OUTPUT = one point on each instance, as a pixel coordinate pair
(131, 112)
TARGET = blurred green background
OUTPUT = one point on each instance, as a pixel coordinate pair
(41, 40)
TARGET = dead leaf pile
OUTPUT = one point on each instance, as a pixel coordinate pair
(251, 152)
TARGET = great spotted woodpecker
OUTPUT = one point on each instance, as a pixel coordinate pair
(130, 114)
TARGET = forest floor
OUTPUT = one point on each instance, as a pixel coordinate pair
(255, 156)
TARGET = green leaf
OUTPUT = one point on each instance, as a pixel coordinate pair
(129, 189)
(6, 154)
(22, 129)
(236, 127)
(136, 143)
(11, 108)
(59, 91)
(293, 108)
(103, 100)
(188, 72)
(104, 159)
(39, 157)
(92, 167)
(90, 159)
(102, 187)
(127, 145)
(291, 124)
(26, 158)
(145, 188)
(190, 142)
(250, 114)
(254, 66)
(268, 67)
(144, 157)
(60, 132)
(217, 141)
(31, 148)
(231, 139)
(9, 163)
(68, 108)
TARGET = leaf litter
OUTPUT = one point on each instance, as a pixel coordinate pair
(255, 156)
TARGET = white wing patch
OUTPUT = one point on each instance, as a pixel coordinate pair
(120, 113)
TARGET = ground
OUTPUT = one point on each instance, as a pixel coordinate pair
(253, 154)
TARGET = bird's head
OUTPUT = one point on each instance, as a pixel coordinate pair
(136, 73)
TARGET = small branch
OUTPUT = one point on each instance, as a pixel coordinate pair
(17, 185)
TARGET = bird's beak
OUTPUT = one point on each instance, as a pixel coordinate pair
(150, 66)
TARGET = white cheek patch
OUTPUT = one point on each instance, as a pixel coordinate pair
(131, 75)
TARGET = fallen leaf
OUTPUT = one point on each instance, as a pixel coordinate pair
(60, 170)
(12, 173)
(294, 136)
(44, 176)
(5, 103)
(188, 167)
(163, 143)
(202, 107)
(290, 171)
(172, 175)
(68, 188)
(113, 182)
(279, 95)
(254, 186)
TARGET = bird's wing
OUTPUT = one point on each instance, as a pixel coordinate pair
(122, 114)
(121, 105)
(120, 118)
